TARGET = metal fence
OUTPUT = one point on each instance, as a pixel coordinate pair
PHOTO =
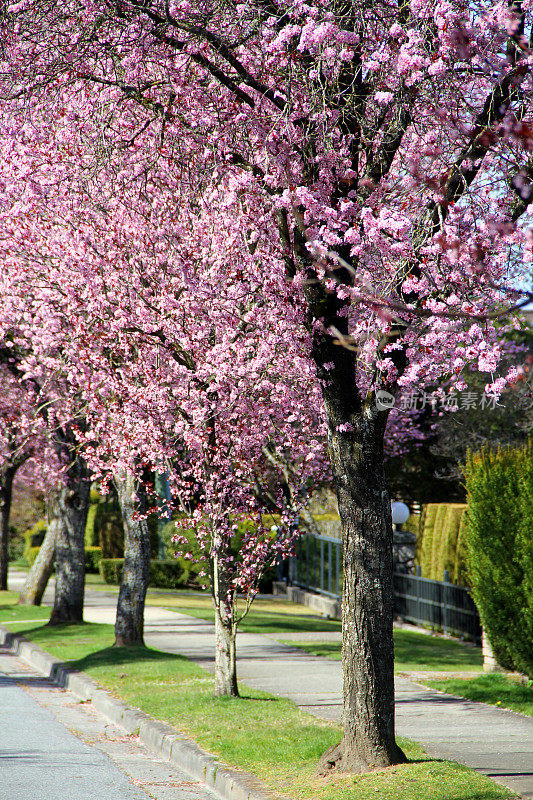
(441, 604)
(444, 606)
(317, 565)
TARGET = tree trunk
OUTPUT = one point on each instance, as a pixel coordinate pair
(367, 603)
(356, 428)
(129, 625)
(69, 508)
(42, 567)
(225, 634)
(6, 495)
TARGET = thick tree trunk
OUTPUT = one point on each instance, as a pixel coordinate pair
(69, 508)
(42, 567)
(225, 634)
(6, 495)
(129, 625)
(356, 428)
(367, 603)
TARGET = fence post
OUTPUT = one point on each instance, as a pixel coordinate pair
(446, 581)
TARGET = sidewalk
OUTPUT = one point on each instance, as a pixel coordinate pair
(493, 741)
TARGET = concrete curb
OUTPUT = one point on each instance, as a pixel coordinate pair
(319, 602)
(162, 739)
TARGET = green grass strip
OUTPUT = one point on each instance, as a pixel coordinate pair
(495, 689)
(265, 735)
(413, 652)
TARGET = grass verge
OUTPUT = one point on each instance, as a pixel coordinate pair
(259, 733)
(495, 689)
(414, 652)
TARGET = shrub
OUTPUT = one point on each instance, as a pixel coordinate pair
(460, 573)
(33, 537)
(175, 574)
(500, 549)
(197, 564)
(108, 530)
(30, 554)
(92, 556)
(447, 554)
(413, 524)
(16, 546)
(111, 569)
(91, 534)
(438, 546)
(426, 543)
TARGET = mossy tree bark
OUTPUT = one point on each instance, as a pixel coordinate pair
(367, 603)
(129, 625)
(68, 508)
(225, 631)
(356, 427)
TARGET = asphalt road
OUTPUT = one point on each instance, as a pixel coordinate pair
(54, 747)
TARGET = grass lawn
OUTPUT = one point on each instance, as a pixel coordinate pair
(265, 735)
(494, 688)
(414, 652)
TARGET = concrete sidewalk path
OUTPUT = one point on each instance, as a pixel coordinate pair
(494, 741)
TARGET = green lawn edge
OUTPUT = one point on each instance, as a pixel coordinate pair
(495, 689)
(413, 652)
(265, 735)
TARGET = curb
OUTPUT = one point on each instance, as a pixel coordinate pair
(160, 738)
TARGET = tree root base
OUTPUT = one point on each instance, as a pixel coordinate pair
(65, 619)
(124, 641)
(338, 760)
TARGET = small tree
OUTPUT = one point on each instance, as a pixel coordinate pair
(500, 549)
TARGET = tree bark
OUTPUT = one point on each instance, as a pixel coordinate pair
(42, 567)
(69, 508)
(6, 495)
(129, 625)
(225, 634)
(367, 604)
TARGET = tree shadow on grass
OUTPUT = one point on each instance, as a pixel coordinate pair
(267, 622)
(119, 656)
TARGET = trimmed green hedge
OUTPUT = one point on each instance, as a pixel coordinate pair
(499, 545)
(175, 574)
(198, 562)
(92, 556)
(439, 543)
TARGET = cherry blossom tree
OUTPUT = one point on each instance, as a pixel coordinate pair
(178, 364)
(384, 155)
(54, 440)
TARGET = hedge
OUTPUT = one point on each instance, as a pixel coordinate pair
(175, 574)
(92, 556)
(439, 545)
(499, 546)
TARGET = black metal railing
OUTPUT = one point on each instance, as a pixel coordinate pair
(441, 605)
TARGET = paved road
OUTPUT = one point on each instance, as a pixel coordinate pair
(53, 747)
(496, 742)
